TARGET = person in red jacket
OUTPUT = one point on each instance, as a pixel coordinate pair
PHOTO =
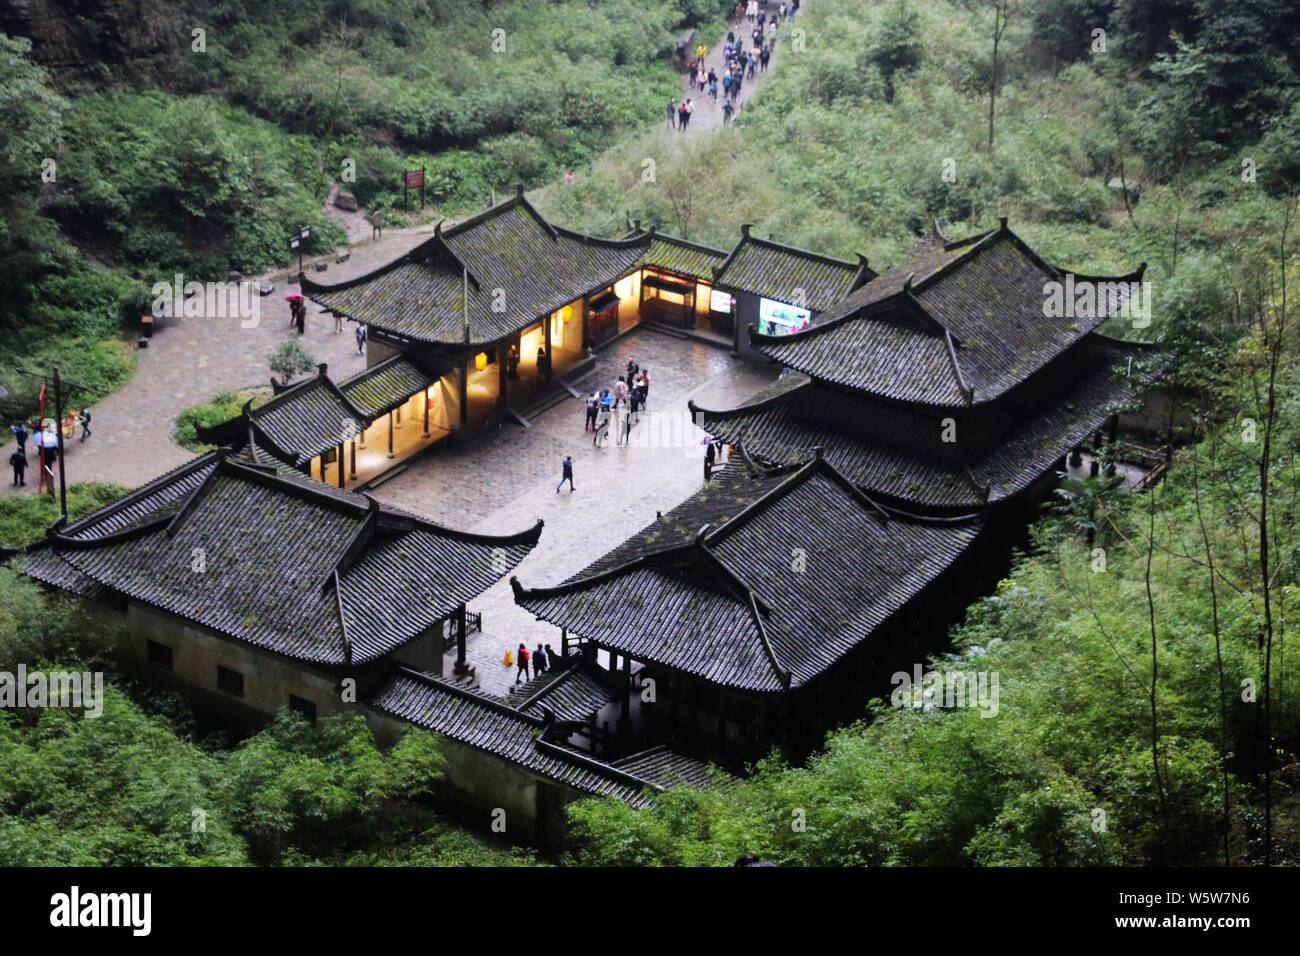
(522, 658)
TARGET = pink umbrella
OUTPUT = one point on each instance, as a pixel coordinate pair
(293, 295)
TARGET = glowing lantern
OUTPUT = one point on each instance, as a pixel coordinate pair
(566, 313)
(480, 361)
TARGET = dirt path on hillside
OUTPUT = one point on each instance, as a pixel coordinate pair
(709, 113)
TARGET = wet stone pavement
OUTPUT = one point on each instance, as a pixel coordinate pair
(506, 480)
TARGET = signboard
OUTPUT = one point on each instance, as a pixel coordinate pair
(720, 301)
(413, 179)
(778, 318)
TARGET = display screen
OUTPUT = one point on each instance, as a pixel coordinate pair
(720, 301)
(778, 318)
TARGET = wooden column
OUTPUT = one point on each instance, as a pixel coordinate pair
(461, 628)
(564, 642)
(353, 446)
(1094, 466)
(390, 434)
(503, 387)
(464, 392)
(626, 709)
(586, 322)
(341, 464)
(424, 397)
(550, 357)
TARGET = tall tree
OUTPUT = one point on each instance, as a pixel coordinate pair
(1001, 13)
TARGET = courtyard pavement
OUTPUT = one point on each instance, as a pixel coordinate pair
(188, 361)
(506, 480)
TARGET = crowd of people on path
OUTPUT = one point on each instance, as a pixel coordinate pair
(742, 58)
(618, 407)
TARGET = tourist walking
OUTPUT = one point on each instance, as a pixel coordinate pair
(521, 658)
(20, 435)
(710, 456)
(541, 663)
(602, 431)
(18, 461)
(84, 418)
(763, 57)
(361, 338)
(620, 392)
(751, 11)
(727, 111)
(566, 474)
(543, 365)
(551, 658)
(645, 387)
(625, 431)
(593, 406)
(512, 361)
(672, 113)
(338, 322)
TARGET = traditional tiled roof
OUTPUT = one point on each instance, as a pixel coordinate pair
(953, 325)
(681, 256)
(485, 723)
(788, 274)
(574, 695)
(723, 603)
(386, 385)
(285, 563)
(518, 267)
(306, 419)
(668, 768)
(784, 425)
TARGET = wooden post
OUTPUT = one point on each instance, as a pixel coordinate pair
(564, 642)
(464, 392)
(586, 322)
(353, 444)
(626, 710)
(550, 358)
(1094, 466)
(425, 397)
(341, 464)
(503, 387)
(461, 628)
(390, 434)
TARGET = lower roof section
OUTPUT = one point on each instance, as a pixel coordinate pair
(267, 556)
(485, 723)
(797, 415)
(760, 582)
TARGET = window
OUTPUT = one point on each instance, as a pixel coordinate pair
(160, 655)
(232, 682)
(305, 707)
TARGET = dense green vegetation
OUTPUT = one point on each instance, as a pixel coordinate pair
(136, 786)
